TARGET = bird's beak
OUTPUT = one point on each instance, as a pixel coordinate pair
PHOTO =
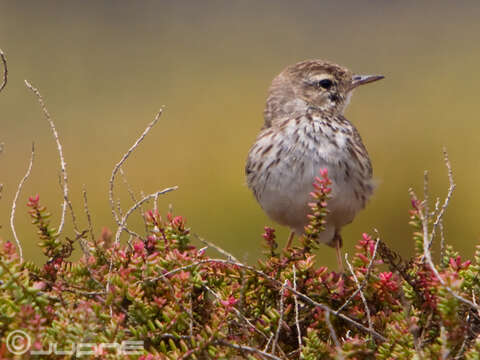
(358, 80)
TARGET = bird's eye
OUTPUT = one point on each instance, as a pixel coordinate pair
(325, 83)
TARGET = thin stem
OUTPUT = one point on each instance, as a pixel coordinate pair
(63, 165)
(15, 199)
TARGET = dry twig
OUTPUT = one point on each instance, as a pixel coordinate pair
(295, 299)
(280, 318)
(72, 213)
(365, 280)
(439, 218)
(133, 197)
(5, 70)
(428, 237)
(359, 288)
(123, 159)
(122, 226)
(333, 335)
(123, 221)
(14, 204)
(261, 353)
(87, 213)
(216, 247)
(63, 165)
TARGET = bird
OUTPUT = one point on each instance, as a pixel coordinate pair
(305, 131)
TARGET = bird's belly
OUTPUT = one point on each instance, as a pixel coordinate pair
(286, 191)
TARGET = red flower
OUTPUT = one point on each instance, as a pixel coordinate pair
(456, 264)
(33, 201)
(139, 248)
(387, 282)
(229, 302)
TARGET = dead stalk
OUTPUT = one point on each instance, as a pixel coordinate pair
(63, 165)
(5, 70)
(15, 199)
(123, 159)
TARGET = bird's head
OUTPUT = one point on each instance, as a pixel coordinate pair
(312, 83)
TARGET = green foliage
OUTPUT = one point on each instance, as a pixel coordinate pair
(172, 301)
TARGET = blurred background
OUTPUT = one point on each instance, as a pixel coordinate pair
(106, 67)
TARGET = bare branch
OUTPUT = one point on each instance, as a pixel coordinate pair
(280, 319)
(123, 222)
(122, 225)
(365, 280)
(5, 70)
(155, 205)
(267, 345)
(427, 256)
(70, 207)
(443, 338)
(87, 213)
(425, 202)
(333, 335)
(261, 353)
(451, 189)
(63, 165)
(216, 247)
(127, 184)
(123, 159)
(295, 299)
(119, 209)
(132, 195)
(15, 199)
(442, 239)
(359, 288)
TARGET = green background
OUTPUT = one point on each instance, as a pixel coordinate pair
(106, 67)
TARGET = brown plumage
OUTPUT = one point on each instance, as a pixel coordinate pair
(305, 131)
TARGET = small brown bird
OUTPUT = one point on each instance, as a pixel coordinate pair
(305, 131)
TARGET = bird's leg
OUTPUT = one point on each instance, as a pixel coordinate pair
(290, 239)
(338, 248)
(337, 243)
